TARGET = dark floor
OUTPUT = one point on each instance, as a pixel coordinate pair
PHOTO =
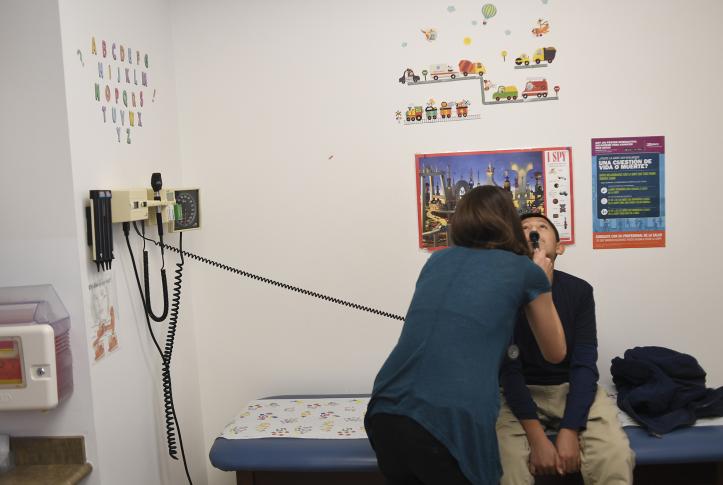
(683, 474)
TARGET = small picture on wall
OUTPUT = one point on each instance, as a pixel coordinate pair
(103, 335)
(539, 180)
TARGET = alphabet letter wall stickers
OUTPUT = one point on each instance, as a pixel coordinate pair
(112, 91)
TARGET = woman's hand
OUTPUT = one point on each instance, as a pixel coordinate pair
(541, 260)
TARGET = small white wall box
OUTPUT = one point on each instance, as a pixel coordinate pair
(36, 366)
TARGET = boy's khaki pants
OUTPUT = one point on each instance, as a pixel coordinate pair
(606, 457)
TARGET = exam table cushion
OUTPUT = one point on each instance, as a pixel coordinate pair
(687, 445)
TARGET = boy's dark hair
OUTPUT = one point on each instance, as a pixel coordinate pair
(486, 218)
(528, 215)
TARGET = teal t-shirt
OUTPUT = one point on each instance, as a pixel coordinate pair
(443, 372)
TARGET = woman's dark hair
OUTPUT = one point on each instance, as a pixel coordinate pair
(486, 218)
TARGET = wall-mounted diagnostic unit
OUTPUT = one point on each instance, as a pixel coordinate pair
(179, 208)
(36, 367)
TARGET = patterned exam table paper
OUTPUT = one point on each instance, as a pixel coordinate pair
(322, 418)
(330, 418)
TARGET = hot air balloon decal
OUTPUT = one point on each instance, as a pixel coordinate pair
(488, 11)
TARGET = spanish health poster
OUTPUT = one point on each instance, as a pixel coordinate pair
(538, 179)
(628, 201)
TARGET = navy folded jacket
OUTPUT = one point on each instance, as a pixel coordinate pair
(663, 389)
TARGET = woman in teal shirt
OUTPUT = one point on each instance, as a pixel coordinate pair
(431, 418)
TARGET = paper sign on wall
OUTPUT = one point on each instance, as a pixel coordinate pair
(102, 335)
(628, 192)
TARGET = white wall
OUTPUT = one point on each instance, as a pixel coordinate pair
(51, 156)
(126, 383)
(38, 236)
(647, 61)
(268, 91)
(284, 114)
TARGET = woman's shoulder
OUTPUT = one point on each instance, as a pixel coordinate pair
(487, 255)
(448, 252)
(512, 257)
(517, 263)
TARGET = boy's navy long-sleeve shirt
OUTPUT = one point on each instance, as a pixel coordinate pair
(573, 298)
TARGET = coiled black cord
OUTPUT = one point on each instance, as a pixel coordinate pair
(146, 278)
(167, 357)
(280, 284)
(148, 307)
(166, 354)
(126, 231)
(171, 418)
(164, 282)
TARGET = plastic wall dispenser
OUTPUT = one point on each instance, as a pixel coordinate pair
(36, 366)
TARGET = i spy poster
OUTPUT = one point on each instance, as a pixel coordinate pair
(538, 179)
(628, 198)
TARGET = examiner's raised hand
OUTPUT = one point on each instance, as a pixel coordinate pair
(541, 260)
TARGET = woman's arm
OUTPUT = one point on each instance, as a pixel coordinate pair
(547, 328)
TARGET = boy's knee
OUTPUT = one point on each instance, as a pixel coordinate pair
(611, 462)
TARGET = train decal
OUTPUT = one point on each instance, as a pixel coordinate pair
(433, 112)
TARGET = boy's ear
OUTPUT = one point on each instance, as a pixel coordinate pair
(560, 248)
